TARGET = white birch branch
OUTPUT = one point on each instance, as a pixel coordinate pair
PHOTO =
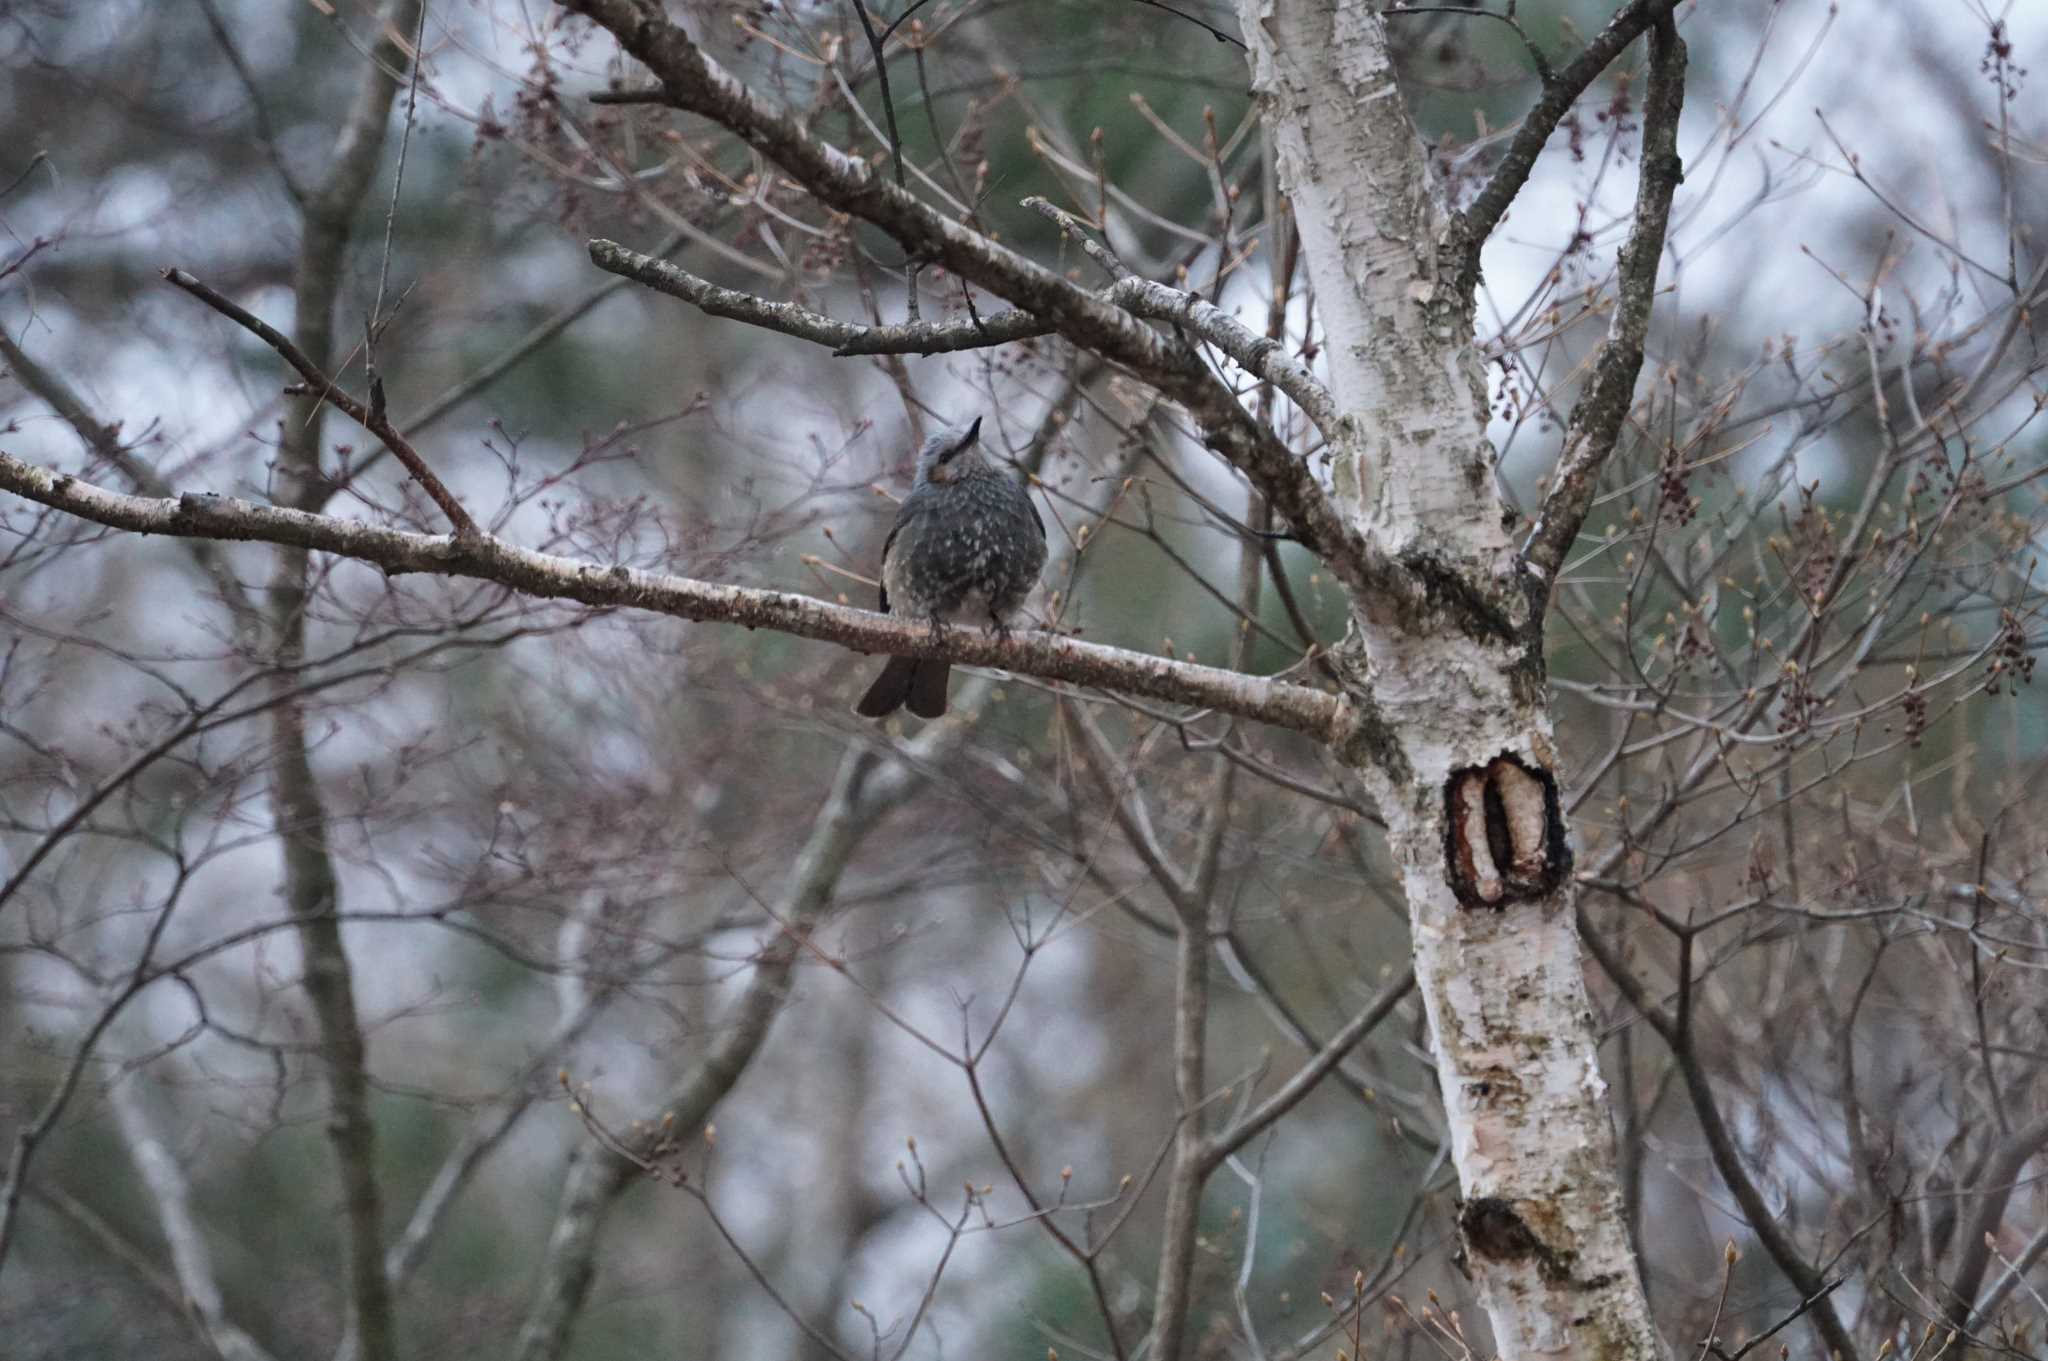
(170, 1194)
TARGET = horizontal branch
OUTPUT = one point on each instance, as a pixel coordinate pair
(1259, 356)
(486, 558)
(845, 337)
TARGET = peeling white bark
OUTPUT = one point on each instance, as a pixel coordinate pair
(1398, 346)
(1546, 1242)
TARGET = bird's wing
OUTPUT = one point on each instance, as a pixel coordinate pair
(882, 577)
(910, 509)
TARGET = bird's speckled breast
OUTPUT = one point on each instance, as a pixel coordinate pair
(970, 548)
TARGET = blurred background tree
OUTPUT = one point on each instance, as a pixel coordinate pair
(314, 882)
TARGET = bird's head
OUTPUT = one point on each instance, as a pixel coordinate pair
(948, 453)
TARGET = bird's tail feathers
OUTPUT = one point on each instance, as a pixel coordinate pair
(921, 684)
(928, 681)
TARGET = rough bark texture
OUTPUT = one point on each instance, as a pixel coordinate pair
(1458, 685)
(312, 888)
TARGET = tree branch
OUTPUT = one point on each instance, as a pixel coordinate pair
(1141, 297)
(230, 1344)
(1311, 1073)
(845, 337)
(170, 1194)
(372, 417)
(1776, 1243)
(1184, 1182)
(1476, 223)
(2001, 1177)
(1595, 424)
(1046, 655)
(1258, 356)
(598, 1175)
(105, 442)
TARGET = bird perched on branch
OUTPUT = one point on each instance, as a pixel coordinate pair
(968, 544)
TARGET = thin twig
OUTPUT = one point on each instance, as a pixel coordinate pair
(412, 93)
(371, 418)
(1596, 421)
(1815, 1298)
(1218, 34)
(882, 74)
(1536, 57)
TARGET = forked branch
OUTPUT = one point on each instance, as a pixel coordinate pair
(1560, 92)
(319, 385)
(1595, 424)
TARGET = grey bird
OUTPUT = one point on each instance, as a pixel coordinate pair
(968, 544)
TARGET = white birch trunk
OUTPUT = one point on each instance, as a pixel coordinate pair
(1457, 689)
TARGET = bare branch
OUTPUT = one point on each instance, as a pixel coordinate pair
(110, 1240)
(1126, 805)
(2000, 1178)
(1076, 231)
(1596, 421)
(171, 1196)
(1311, 1073)
(372, 417)
(1171, 1300)
(1477, 222)
(1536, 57)
(259, 112)
(511, 356)
(1257, 355)
(105, 442)
(598, 1175)
(489, 1126)
(2015, 1274)
(875, 41)
(1218, 34)
(1045, 655)
(1263, 358)
(845, 337)
(1765, 1336)
(1776, 1242)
